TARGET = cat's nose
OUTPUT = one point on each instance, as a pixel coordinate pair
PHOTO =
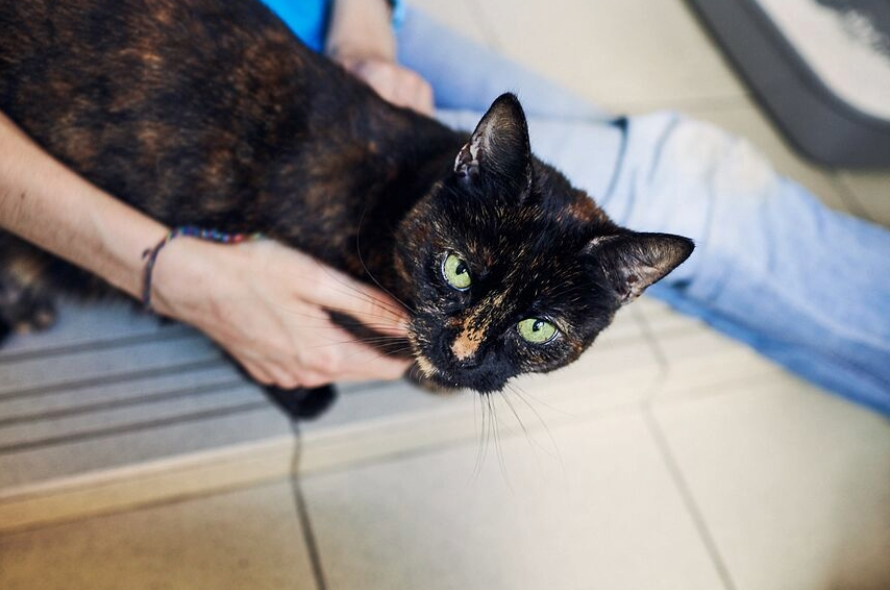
(466, 348)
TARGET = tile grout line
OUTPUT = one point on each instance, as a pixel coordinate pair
(849, 197)
(303, 512)
(673, 467)
(688, 498)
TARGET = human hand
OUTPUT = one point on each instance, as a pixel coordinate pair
(394, 83)
(265, 304)
(361, 39)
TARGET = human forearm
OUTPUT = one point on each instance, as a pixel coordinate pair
(47, 204)
(278, 329)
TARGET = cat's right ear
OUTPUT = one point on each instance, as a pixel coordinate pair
(499, 147)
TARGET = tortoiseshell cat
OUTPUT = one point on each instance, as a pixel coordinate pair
(211, 113)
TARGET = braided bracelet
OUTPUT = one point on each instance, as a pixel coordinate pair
(151, 255)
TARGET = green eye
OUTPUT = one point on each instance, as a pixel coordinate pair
(456, 272)
(536, 331)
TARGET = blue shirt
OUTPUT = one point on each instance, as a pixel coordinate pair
(308, 19)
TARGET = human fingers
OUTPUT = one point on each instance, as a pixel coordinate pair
(403, 87)
(379, 75)
(396, 84)
(414, 92)
(354, 360)
(366, 363)
(256, 371)
(309, 282)
(329, 353)
(284, 372)
(333, 290)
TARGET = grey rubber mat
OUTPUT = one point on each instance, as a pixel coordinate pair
(108, 387)
(820, 68)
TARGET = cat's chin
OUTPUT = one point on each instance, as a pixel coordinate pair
(436, 383)
(425, 380)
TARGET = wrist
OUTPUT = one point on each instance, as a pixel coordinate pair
(191, 265)
(123, 264)
(90, 228)
(177, 274)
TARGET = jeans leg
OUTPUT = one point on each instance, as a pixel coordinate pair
(805, 285)
(468, 76)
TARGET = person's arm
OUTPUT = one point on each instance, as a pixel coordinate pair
(362, 40)
(47, 204)
(263, 302)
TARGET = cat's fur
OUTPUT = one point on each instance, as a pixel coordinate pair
(211, 113)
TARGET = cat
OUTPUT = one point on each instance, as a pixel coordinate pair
(212, 113)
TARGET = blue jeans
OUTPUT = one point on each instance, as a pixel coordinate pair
(804, 285)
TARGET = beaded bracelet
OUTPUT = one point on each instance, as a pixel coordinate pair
(151, 255)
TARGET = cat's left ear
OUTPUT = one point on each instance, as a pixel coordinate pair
(633, 261)
(499, 147)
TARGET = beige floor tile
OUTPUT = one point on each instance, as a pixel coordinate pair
(794, 484)
(378, 423)
(661, 320)
(699, 360)
(705, 362)
(243, 539)
(374, 421)
(615, 53)
(604, 377)
(603, 514)
(461, 15)
(872, 191)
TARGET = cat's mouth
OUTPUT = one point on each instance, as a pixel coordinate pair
(479, 381)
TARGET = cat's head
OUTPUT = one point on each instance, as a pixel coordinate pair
(511, 269)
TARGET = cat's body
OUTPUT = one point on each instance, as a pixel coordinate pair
(210, 113)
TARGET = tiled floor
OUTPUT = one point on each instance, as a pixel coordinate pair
(242, 539)
(668, 457)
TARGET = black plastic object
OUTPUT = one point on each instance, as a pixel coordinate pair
(814, 119)
(302, 403)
